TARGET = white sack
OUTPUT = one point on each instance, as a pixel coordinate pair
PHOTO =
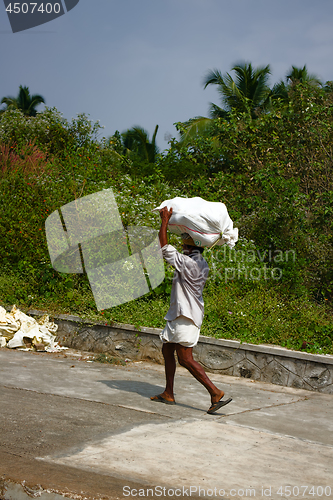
(207, 222)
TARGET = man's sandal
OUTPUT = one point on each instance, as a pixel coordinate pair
(161, 399)
(216, 406)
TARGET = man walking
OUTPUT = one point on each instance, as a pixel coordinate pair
(185, 315)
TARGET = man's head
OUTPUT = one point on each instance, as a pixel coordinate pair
(189, 246)
(188, 249)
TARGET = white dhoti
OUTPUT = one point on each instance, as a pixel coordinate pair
(182, 331)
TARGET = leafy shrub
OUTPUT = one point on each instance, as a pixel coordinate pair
(274, 174)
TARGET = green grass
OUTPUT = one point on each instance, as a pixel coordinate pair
(255, 314)
(264, 315)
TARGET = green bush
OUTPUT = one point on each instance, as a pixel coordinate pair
(273, 173)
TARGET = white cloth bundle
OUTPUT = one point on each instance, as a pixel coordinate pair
(207, 222)
(15, 326)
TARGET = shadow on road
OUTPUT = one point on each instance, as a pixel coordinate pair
(145, 389)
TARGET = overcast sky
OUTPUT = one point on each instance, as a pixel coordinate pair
(142, 62)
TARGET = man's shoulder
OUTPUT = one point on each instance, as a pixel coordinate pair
(169, 249)
(176, 258)
(171, 254)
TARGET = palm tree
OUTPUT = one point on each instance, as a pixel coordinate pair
(24, 101)
(295, 76)
(136, 140)
(247, 92)
(301, 75)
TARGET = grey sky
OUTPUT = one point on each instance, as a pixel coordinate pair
(142, 62)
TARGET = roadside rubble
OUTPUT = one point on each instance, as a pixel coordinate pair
(19, 331)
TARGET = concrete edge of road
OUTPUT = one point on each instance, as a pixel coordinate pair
(266, 363)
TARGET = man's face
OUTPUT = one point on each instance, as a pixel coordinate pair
(186, 249)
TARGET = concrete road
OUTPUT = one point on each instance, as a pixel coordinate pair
(80, 429)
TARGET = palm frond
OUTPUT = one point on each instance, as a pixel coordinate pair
(217, 112)
(136, 140)
(213, 77)
(246, 92)
(24, 101)
(195, 127)
(301, 75)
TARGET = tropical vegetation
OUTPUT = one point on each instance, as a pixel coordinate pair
(24, 102)
(268, 156)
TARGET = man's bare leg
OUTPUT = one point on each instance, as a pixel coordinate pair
(168, 351)
(185, 358)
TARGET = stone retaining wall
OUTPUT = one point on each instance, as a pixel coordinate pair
(266, 363)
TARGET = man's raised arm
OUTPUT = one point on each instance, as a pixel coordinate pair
(165, 215)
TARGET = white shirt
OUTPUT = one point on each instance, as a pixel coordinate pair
(191, 272)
